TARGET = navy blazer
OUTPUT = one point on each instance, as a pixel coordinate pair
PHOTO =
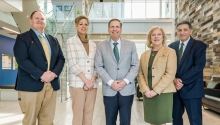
(32, 62)
(190, 69)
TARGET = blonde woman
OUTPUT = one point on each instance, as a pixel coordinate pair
(155, 77)
(82, 74)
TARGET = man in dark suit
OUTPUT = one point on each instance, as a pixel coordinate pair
(40, 62)
(191, 56)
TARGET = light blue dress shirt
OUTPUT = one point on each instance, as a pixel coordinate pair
(38, 35)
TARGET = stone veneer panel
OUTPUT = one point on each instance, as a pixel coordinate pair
(204, 15)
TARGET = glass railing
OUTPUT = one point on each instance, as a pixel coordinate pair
(63, 12)
(148, 9)
(68, 23)
(67, 27)
(90, 29)
(51, 27)
(46, 6)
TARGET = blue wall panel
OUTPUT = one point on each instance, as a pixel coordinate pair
(7, 77)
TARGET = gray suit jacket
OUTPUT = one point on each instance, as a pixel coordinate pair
(107, 67)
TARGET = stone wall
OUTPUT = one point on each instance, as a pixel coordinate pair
(204, 16)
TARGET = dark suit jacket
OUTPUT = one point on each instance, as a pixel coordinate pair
(32, 61)
(190, 69)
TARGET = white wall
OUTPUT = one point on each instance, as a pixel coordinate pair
(15, 3)
(133, 26)
(7, 18)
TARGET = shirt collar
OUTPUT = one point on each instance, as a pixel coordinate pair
(185, 42)
(37, 33)
(119, 41)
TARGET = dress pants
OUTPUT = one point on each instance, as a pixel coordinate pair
(116, 103)
(38, 105)
(82, 105)
(193, 108)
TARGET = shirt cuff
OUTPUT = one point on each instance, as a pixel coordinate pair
(110, 82)
(127, 81)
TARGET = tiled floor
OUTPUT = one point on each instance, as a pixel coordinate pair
(10, 113)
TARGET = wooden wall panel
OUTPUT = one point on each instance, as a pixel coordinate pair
(204, 15)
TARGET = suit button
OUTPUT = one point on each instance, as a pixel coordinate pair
(88, 70)
(117, 68)
(153, 76)
(87, 61)
(46, 62)
(152, 67)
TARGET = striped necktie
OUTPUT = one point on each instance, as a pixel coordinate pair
(115, 50)
(46, 50)
(180, 53)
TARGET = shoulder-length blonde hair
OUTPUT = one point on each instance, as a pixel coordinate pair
(80, 18)
(149, 42)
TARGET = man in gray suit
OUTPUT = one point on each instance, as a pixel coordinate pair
(117, 64)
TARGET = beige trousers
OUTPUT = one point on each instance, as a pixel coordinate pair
(38, 105)
(82, 105)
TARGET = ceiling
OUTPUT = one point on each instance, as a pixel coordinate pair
(6, 32)
(21, 18)
(5, 5)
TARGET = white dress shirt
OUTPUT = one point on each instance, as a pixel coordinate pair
(119, 48)
(185, 44)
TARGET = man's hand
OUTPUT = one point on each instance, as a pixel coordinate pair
(115, 86)
(47, 77)
(122, 83)
(53, 75)
(178, 83)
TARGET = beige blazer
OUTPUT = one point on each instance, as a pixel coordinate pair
(163, 71)
(79, 61)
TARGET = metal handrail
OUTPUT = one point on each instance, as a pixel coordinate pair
(61, 77)
(68, 15)
(56, 31)
(90, 9)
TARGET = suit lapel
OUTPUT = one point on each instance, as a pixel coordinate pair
(186, 51)
(159, 53)
(176, 48)
(51, 46)
(37, 41)
(122, 50)
(147, 56)
(109, 47)
(81, 45)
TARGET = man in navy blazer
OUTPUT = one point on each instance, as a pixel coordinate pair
(189, 77)
(38, 74)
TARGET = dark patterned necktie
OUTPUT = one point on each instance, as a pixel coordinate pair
(180, 53)
(115, 50)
